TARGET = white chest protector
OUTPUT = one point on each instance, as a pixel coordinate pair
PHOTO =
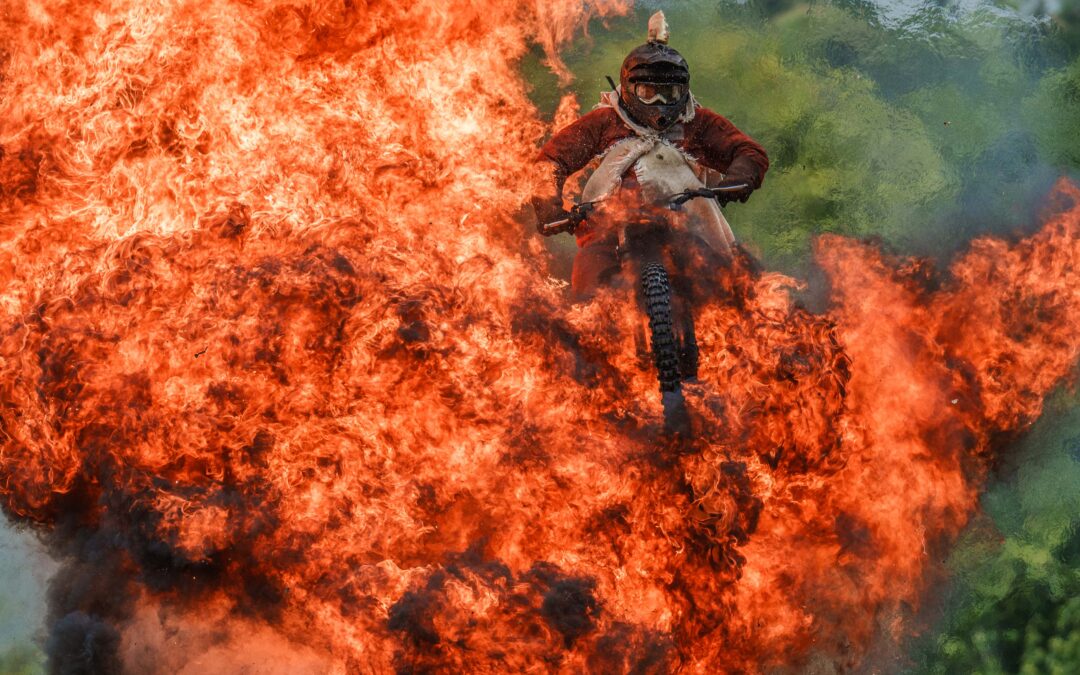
(662, 170)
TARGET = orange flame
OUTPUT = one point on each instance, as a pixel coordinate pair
(272, 331)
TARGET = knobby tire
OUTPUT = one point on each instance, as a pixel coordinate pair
(656, 290)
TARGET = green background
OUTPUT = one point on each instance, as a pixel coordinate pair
(924, 126)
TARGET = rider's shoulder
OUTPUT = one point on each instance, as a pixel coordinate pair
(604, 114)
(705, 116)
(707, 122)
(597, 117)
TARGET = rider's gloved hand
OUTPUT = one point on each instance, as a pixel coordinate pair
(549, 210)
(740, 171)
(742, 195)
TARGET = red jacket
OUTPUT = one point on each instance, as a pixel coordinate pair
(709, 138)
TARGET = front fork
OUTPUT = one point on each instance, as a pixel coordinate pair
(684, 333)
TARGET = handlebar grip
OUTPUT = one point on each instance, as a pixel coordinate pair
(577, 216)
(729, 188)
(729, 193)
(554, 227)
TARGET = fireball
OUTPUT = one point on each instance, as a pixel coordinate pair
(287, 387)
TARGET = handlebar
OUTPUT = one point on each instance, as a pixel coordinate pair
(577, 216)
(675, 202)
(718, 192)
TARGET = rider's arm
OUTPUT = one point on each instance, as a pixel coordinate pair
(568, 151)
(718, 144)
(574, 146)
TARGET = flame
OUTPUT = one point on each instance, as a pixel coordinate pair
(276, 349)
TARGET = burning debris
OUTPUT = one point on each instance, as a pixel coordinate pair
(398, 450)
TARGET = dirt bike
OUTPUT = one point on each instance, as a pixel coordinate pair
(654, 256)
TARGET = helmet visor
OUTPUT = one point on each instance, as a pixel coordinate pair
(662, 93)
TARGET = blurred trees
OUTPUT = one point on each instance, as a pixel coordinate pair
(1014, 605)
(924, 128)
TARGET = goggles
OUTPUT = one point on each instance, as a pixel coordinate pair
(651, 93)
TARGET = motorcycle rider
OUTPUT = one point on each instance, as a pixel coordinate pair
(654, 139)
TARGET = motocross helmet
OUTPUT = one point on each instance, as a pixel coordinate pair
(655, 80)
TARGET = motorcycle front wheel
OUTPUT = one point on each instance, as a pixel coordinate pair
(657, 302)
(656, 294)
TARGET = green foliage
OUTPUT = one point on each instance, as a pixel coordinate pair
(923, 131)
(21, 660)
(23, 567)
(1015, 603)
(1054, 114)
(1067, 25)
